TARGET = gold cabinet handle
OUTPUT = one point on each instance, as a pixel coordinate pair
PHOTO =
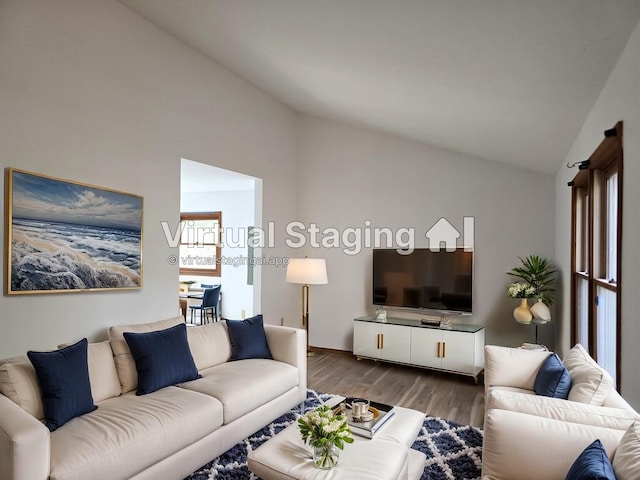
(382, 340)
(439, 349)
(379, 341)
(444, 349)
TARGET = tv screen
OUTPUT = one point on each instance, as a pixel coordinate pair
(423, 279)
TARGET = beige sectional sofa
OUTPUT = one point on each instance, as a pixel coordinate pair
(166, 434)
(528, 436)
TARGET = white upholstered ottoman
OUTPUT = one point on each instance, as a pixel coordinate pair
(387, 456)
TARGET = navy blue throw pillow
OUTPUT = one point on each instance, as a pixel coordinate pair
(63, 376)
(592, 464)
(248, 339)
(162, 358)
(553, 379)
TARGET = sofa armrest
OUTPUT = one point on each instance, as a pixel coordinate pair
(289, 345)
(528, 447)
(24, 444)
(559, 409)
(512, 367)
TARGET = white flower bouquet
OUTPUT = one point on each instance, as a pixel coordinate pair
(521, 290)
(325, 431)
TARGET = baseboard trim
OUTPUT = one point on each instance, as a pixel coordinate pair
(330, 350)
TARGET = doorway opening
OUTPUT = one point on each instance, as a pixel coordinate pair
(216, 251)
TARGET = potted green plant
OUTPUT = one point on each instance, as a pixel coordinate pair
(540, 273)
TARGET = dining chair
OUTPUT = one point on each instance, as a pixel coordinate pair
(210, 300)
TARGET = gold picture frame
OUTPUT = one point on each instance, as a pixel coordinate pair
(66, 236)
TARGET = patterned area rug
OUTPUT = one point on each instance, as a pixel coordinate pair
(454, 452)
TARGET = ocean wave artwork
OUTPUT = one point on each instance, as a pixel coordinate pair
(69, 236)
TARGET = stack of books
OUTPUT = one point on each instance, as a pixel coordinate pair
(383, 413)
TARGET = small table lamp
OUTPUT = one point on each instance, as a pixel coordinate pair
(307, 271)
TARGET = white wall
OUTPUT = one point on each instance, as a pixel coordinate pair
(349, 175)
(90, 91)
(238, 214)
(619, 100)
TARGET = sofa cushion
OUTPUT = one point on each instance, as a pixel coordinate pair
(529, 447)
(592, 464)
(248, 339)
(615, 400)
(490, 390)
(245, 385)
(590, 382)
(18, 382)
(125, 365)
(130, 433)
(553, 379)
(209, 344)
(102, 371)
(162, 358)
(513, 367)
(63, 377)
(559, 409)
(626, 461)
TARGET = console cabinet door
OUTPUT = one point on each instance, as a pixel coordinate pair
(366, 339)
(426, 347)
(384, 342)
(459, 351)
(396, 343)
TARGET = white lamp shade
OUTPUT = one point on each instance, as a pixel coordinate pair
(307, 271)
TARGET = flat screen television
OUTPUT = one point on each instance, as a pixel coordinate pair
(424, 279)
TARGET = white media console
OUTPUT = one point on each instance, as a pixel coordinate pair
(457, 347)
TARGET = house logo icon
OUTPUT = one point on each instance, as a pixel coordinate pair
(443, 232)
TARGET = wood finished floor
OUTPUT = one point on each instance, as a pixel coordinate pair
(437, 394)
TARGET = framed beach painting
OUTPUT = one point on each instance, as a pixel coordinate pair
(65, 236)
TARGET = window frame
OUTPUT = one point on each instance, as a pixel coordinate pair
(215, 270)
(589, 231)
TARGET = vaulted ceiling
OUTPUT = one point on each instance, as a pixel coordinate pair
(504, 80)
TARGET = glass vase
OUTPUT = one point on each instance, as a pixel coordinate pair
(326, 457)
